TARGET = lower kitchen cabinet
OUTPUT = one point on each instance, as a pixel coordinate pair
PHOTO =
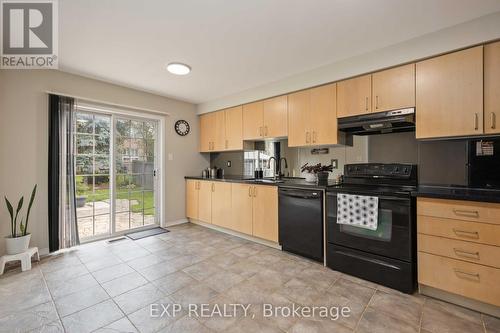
(242, 208)
(265, 212)
(245, 208)
(221, 204)
(205, 201)
(192, 198)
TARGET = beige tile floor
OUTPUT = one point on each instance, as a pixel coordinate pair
(103, 287)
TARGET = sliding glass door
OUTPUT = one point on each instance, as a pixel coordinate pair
(116, 184)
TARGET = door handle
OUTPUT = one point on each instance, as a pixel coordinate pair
(493, 120)
(213, 187)
(314, 136)
(469, 213)
(376, 102)
(476, 121)
(466, 275)
(308, 137)
(366, 104)
(466, 254)
(250, 191)
(266, 131)
(260, 131)
(255, 191)
(466, 234)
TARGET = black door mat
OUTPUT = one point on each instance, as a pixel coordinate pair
(146, 233)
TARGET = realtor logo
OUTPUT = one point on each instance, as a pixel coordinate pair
(29, 34)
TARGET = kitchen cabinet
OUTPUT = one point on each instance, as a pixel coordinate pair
(192, 198)
(221, 204)
(265, 212)
(234, 128)
(207, 132)
(242, 208)
(221, 130)
(394, 88)
(205, 201)
(449, 95)
(265, 119)
(354, 96)
(458, 247)
(492, 88)
(312, 117)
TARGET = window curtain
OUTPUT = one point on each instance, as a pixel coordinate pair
(63, 228)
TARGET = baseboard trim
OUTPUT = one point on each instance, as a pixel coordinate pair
(175, 222)
(460, 300)
(237, 234)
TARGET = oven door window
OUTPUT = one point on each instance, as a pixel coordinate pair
(383, 232)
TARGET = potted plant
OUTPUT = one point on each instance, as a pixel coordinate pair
(19, 242)
(316, 172)
(81, 191)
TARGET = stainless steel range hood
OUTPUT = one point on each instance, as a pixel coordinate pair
(402, 120)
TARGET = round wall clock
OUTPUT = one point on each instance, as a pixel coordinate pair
(182, 127)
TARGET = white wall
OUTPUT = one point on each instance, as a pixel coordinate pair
(477, 31)
(24, 139)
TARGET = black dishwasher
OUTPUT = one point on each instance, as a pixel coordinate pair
(301, 222)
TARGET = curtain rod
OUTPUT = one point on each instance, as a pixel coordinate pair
(85, 99)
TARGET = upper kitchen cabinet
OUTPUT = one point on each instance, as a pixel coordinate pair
(265, 119)
(394, 88)
(312, 117)
(491, 88)
(221, 130)
(354, 96)
(207, 132)
(449, 95)
(234, 128)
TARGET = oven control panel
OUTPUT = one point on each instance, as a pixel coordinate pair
(375, 170)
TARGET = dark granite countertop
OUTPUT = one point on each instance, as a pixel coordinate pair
(287, 182)
(457, 193)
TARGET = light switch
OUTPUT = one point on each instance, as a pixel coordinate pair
(228, 163)
(170, 156)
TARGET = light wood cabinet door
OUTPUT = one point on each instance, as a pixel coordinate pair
(299, 110)
(219, 131)
(354, 96)
(323, 116)
(275, 117)
(234, 128)
(241, 208)
(207, 127)
(221, 204)
(394, 88)
(449, 95)
(253, 120)
(205, 201)
(492, 88)
(192, 198)
(265, 212)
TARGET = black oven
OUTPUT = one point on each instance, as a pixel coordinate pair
(394, 233)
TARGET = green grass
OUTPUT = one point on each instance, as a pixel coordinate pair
(148, 199)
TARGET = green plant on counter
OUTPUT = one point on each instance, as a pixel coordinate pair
(13, 217)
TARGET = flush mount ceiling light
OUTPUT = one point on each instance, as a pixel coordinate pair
(178, 68)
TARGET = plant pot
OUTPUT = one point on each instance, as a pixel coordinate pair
(18, 244)
(80, 201)
(310, 177)
(322, 176)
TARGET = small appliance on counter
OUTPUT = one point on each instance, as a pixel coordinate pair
(484, 163)
(371, 224)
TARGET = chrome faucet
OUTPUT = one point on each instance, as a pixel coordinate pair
(275, 165)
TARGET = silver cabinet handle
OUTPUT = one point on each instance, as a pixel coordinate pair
(266, 131)
(493, 120)
(308, 137)
(466, 254)
(467, 234)
(255, 191)
(376, 102)
(226, 144)
(250, 191)
(314, 136)
(476, 121)
(466, 275)
(213, 187)
(469, 213)
(366, 104)
(260, 131)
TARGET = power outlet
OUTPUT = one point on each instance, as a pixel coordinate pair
(228, 164)
(335, 163)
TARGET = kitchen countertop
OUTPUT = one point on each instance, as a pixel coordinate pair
(457, 193)
(288, 182)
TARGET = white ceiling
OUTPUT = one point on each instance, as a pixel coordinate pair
(234, 45)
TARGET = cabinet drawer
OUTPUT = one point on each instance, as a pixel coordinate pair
(464, 230)
(457, 249)
(455, 276)
(460, 210)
